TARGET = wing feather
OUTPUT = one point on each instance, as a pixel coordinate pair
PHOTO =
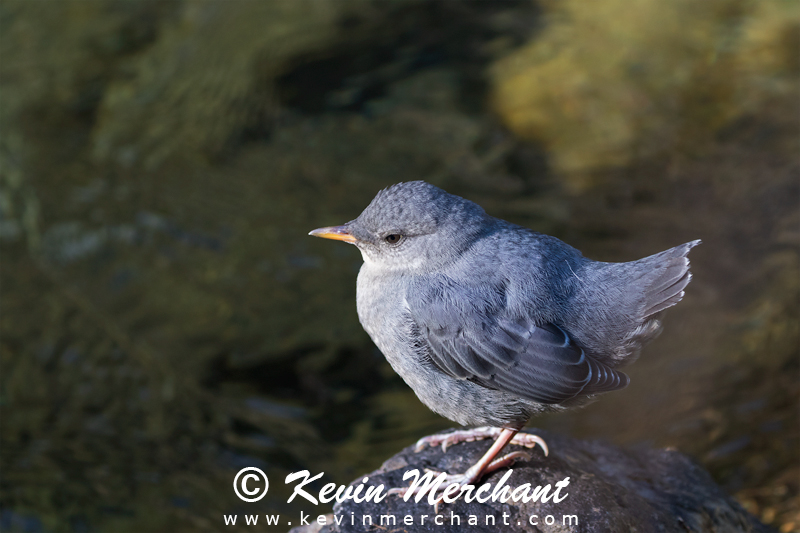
(480, 341)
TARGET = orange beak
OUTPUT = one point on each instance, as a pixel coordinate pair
(337, 233)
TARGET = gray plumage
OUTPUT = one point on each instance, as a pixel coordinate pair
(491, 323)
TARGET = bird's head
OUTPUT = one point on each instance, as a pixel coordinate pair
(411, 226)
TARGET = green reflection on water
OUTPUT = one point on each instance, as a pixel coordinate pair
(166, 321)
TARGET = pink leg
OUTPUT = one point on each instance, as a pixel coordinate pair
(487, 463)
(477, 470)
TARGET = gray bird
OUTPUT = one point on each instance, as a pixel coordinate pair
(491, 323)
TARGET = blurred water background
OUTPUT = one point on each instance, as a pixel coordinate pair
(166, 321)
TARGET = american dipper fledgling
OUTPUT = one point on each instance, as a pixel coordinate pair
(491, 323)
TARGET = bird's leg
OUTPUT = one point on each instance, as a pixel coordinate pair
(487, 463)
(468, 435)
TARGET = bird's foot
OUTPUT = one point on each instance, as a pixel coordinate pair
(485, 464)
(473, 474)
(468, 435)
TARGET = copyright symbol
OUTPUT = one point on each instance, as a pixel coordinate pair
(247, 477)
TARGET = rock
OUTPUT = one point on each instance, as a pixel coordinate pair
(609, 489)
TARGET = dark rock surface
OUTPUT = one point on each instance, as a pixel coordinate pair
(610, 489)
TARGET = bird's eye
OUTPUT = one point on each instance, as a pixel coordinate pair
(394, 238)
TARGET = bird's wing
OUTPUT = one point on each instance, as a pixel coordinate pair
(471, 336)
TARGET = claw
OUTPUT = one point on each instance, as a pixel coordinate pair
(530, 441)
(436, 504)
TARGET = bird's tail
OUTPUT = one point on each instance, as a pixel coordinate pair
(621, 302)
(667, 274)
(660, 285)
